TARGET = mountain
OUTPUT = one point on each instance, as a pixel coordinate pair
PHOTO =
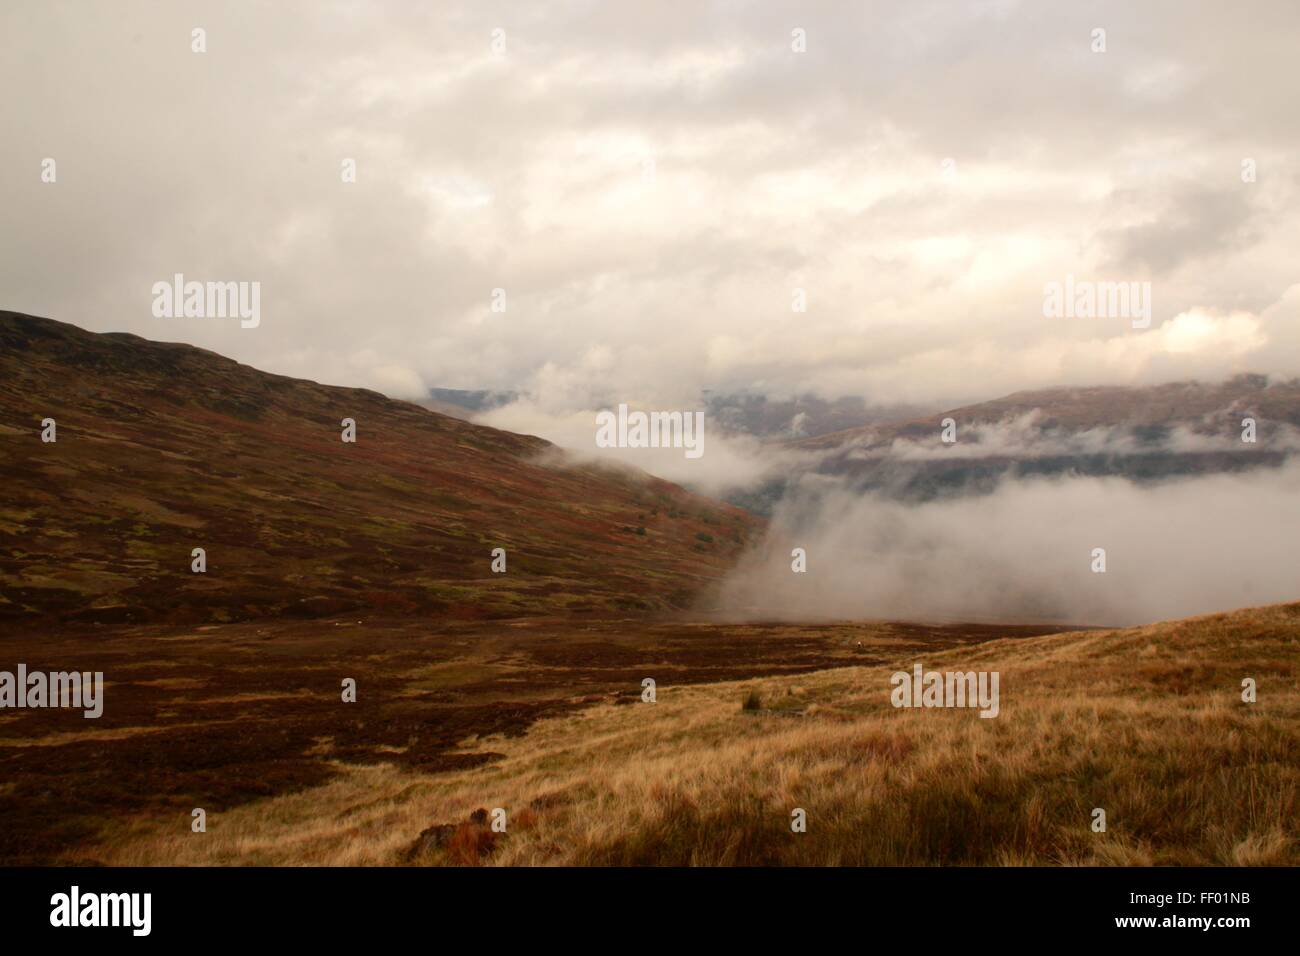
(465, 404)
(737, 413)
(793, 418)
(1207, 408)
(473, 400)
(1145, 434)
(163, 448)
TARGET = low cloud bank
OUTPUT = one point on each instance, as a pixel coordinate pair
(1025, 551)
(877, 548)
(1024, 437)
(730, 463)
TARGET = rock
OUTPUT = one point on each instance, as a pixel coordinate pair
(434, 838)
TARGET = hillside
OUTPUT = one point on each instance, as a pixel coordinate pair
(1145, 723)
(1211, 409)
(773, 418)
(1144, 434)
(163, 448)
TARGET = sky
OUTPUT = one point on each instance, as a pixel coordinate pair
(650, 184)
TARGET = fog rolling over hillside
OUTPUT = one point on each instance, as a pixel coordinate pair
(996, 517)
(994, 510)
(1026, 550)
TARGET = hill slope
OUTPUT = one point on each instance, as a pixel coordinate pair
(1145, 434)
(1211, 409)
(163, 448)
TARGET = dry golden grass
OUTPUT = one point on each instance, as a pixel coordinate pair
(1147, 723)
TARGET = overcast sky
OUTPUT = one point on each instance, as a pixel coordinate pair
(650, 182)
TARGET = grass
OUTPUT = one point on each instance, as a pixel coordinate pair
(1146, 723)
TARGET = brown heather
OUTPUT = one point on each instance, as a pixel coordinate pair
(1146, 722)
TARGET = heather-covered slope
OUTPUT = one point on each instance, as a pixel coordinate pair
(1207, 409)
(1144, 434)
(164, 448)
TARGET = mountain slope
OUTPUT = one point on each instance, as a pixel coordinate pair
(163, 448)
(1145, 434)
(1210, 409)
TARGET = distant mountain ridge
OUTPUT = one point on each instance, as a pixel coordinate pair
(1210, 408)
(1146, 434)
(472, 400)
(770, 418)
(799, 416)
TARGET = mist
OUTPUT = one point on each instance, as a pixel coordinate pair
(731, 462)
(1024, 436)
(1025, 552)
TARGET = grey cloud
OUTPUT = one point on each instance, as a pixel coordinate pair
(772, 168)
(1196, 223)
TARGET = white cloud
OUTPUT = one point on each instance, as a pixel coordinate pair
(527, 172)
(1027, 551)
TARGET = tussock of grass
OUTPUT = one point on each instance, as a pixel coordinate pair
(1146, 723)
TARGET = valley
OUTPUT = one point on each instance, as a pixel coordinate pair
(390, 640)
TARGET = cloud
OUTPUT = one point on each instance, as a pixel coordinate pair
(1172, 550)
(1196, 223)
(527, 171)
(729, 462)
(1027, 436)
